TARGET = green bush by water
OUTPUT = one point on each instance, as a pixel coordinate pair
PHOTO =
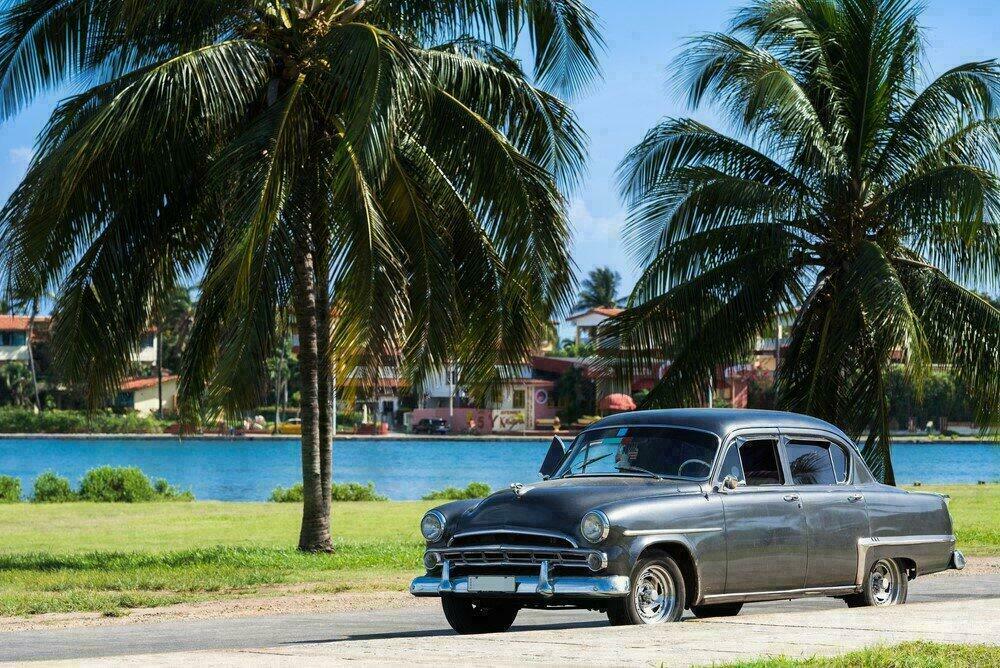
(52, 488)
(474, 490)
(105, 484)
(10, 489)
(346, 491)
(26, 421)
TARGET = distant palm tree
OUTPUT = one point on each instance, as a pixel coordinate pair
(600, 288)
(853, 195)
(388, 156)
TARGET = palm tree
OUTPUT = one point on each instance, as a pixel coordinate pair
(600, 288)
(854, 191)
(388, 157)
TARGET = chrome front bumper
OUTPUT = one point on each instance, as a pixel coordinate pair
(526, 585)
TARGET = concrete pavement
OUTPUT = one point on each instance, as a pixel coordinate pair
(946, 608)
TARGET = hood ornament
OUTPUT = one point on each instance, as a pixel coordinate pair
(518, 489)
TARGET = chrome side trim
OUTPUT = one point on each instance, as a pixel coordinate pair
(531, 586)
(779, 595)
(865, 544)
(657, 532)
(526, 532)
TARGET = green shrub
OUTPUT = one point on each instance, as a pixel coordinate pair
(474, 490)
(291, 495)
(167, 492)
(51, 488)
(347, 491)
(26, 421)
(10, 489)
(109, 484)
(352, 491)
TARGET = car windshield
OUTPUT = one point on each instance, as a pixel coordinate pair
(666, 452)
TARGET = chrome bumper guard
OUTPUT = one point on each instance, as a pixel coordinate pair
(527, 585)
(957, 560)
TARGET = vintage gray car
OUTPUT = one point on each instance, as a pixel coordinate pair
(651, 512)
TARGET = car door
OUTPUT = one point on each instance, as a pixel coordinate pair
(764, 524)
(835, 512)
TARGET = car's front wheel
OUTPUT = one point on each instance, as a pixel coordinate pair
(885, 584)
(657, 594)
(470, 616)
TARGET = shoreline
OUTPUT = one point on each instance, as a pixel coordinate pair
(898, 439)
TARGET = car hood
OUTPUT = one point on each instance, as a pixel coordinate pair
(559, 505)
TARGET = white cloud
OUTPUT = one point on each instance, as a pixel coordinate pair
(598, 241)
(20, 155)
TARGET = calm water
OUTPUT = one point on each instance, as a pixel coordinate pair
(247, 470)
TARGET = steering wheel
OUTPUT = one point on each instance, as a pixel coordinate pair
(708, 467)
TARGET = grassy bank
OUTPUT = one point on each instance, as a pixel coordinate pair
(904, 655)
(87, 556)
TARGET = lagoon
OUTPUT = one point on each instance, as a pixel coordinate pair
(248, 469)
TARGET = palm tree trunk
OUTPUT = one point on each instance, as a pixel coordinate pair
(314, 535)
(323, 384)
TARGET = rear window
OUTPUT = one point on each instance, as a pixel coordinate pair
(811, 463)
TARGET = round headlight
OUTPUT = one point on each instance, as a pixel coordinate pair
(432, 526)
(595, 526)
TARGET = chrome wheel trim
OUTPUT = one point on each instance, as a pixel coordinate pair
(654, 597)
(884, 582)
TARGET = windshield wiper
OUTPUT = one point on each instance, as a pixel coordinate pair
(639, 469)
(588, 462)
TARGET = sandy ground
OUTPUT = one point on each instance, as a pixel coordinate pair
(295, 601)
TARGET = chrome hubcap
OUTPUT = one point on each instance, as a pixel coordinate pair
(884, 582)
(654, 598)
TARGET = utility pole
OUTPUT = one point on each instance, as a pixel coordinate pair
(451, 393)
(333, 395)
(159, 372)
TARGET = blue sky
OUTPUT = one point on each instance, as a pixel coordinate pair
(643, 37)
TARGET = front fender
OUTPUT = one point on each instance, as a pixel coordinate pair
(452, 512)
(691, 526)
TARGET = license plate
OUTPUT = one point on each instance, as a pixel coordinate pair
(495, 584)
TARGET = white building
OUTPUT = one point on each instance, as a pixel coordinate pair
(587, 321)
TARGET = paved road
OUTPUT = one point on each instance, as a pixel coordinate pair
(948, 608)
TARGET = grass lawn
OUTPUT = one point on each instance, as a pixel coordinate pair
(905, 655)
(107, 557)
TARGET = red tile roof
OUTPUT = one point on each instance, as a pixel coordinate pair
(608, 311)
(133, 384)
(19, 323)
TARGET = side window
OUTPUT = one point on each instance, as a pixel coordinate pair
(731, 465)
(841, 462)
(811, 463)
(761, 463)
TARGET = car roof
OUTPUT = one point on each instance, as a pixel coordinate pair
(719, 421)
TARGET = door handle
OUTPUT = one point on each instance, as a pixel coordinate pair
(855, 497)
(791, 497)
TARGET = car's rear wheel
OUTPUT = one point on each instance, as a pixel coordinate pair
(470, 616)
(717, 610)
(885, 584)
(657, 594)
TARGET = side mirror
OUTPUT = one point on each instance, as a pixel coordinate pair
(729, 483)
(553, 458)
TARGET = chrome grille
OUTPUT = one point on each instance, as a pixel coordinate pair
(514, 555)
(514, 538)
